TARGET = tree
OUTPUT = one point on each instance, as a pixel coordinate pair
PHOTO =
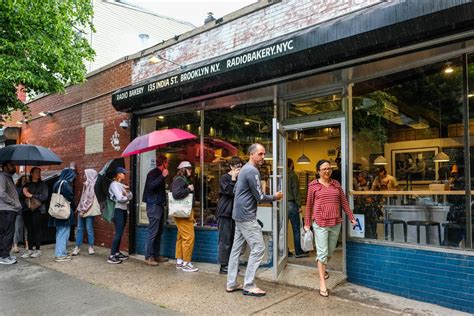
(42, 47)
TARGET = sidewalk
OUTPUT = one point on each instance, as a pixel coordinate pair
(204, 292)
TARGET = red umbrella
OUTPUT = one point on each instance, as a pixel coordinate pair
(156, 139)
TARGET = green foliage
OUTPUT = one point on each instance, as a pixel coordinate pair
(42, 46)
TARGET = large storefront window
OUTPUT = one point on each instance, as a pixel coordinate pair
(408, 155)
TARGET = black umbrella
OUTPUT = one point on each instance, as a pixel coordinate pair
(104, 178)
(29, 155)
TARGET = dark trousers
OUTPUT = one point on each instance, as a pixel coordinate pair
(294, 216)
(226, 226)
(120, 220)
(156, 225)
(33, 227)
(7, 231)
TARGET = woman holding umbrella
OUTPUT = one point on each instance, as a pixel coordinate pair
(63, 226)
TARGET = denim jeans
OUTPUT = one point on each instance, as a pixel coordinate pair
(295, 219)
(120, 220)
(89, 223)
(156, 225)
(19, 230)
(62, 236)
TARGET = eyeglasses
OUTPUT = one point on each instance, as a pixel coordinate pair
(326, 170)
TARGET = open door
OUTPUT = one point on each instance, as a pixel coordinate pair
(280, 217)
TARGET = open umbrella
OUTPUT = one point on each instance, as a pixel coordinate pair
(156, 140)
(104, 178)
(29, 155)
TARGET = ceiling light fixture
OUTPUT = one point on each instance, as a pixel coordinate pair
(380, 161)
(156, 58)
(303, 159)
(246, 123)
(441, 156)
(449, 68)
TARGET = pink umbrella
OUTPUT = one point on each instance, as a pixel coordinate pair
(156, 139)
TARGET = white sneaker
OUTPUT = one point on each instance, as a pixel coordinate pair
(27, 254)
(91, 250)
(35, 254)
(189, 267)
(76, 251)
(62, 259)
(7, 260)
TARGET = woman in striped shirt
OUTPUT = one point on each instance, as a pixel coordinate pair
(323, 210)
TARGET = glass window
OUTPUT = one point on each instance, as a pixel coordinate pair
(408, 155)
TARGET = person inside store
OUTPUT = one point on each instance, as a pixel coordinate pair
(181, 187)
(9, 207)
(35, 195)
(19, 236)
(63, 186)
(384, 181)
(225, 204)
(87, 210)
(369, 205)
(121, 194)
(248, 193)
(154, 195)
(323, 211)
(294, 201)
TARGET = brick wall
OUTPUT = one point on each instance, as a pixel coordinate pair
(64, 132)
(272, 21)
(441, 278)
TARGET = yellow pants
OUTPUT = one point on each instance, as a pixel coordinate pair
(185, 238)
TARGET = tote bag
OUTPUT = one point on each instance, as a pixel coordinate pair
(59, 208)
(94, 210)
(180, 208)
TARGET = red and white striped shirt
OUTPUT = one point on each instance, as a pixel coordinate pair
(323, 204)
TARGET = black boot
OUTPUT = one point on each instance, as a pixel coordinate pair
(223, 269)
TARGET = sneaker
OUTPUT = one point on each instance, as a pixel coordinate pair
(189, 267)
(151, 262)
(121, 256)
(179, 266)
(62, 259)
(27, 254)
(302, 255)
(91, 250)
(35, 254)
(7, 260)
(76, 251)
(161, 259)
(114, 260)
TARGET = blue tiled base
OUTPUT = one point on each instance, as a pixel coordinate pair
(446, 279)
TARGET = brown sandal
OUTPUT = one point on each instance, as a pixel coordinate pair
(237, 288)
(326, 275)
(255, 292)
(324, 293)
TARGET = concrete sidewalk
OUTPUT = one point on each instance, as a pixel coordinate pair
(204, 292)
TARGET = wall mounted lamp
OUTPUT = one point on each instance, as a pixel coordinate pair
(45, 113)
(157, 58)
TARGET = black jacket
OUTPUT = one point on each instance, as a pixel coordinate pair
(155, 191)
(179, 188)
(226, 196)
(39, 190)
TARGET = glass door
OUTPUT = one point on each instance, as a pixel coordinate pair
(280, 222)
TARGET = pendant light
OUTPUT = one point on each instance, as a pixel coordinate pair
(441, 156)
(303, 159)
(380, 161)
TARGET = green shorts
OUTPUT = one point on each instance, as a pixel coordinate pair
(326, 241)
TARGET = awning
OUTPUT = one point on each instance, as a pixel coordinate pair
(379, 28)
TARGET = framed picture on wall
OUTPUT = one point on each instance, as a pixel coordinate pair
(415, 165)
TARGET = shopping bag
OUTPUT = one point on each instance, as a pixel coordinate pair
(308, 238)
(59, 208)
(109, 210)
(180, 208)
(94, 210)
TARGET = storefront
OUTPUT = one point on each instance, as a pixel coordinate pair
(383, 94)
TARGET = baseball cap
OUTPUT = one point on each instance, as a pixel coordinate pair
(120, 170)
(185, 164)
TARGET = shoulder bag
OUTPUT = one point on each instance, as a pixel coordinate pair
(32, 203)
(60, 208)
(94, 210)
(180, 208)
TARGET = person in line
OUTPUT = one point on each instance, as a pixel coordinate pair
(120, 193)
(294, 201)
(38, 190)
(85, 204)
(19, 222)
(154, 195)
(384, 181)
(63, 226)
(9, 207)
(323, 210)
(181, 188)
(248, 193)
(225, 223)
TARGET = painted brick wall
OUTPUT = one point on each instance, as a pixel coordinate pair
(281, 18)
(64, 132)
(445, 279)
